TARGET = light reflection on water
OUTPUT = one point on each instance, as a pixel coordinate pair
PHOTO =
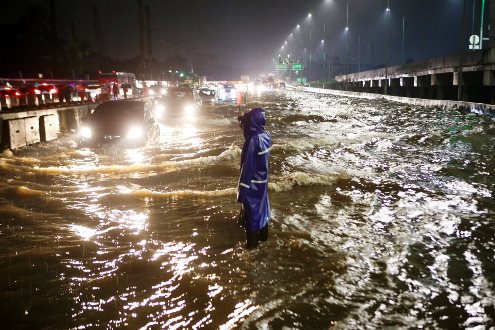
(382, 218)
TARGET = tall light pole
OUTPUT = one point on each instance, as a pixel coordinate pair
(310, 52)
(481, 24)
(461, 60)
(403, 57)
(347, 42)
(324, 51)
(310, 48)
(386, 47)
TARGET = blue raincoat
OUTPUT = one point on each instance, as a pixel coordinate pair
(253, 181)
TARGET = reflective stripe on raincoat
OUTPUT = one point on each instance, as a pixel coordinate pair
(253, 181)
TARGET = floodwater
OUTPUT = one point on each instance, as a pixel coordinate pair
(383, 217)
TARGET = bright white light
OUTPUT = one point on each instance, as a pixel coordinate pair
(298, 26)
(346, 28)
(135, 133)
(163, 91)
(322, 41)
(388, 9)
(85, 132)
(189, 108)
(282, 47)
(151, 92)
(159, 109)
(309, 15)
(285, 42)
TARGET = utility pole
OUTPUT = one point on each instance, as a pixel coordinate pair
(386, 47)
(310, 53)
(403, 40)
(347, 52)
(481, 24)
(461, 60)
(324, 50)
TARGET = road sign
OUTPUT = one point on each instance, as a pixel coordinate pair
(297, 67)
(474, 42)
(281, 67)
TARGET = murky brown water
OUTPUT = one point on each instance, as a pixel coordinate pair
(383, 217)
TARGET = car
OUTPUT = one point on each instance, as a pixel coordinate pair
(46, 89)
(180, 102)
(94, 91)
(9, 95)
(227, 92)
(6, 89)
(207, 95)
(126, 122)
(157, 91)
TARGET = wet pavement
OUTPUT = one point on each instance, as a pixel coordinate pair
(383, 216)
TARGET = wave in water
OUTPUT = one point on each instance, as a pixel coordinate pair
(230, 155)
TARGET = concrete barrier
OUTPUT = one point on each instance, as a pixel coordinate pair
(49, 127)
(32, 127)
(478, 108)
(19, 129)
(14, 130)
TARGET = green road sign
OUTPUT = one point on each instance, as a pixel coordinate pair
(281, 67)
(297, 67)
(301, 80)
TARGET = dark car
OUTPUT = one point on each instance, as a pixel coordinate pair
(179, 103)
(207, 95)
(129, 122)
(8, 90)
(157, 91)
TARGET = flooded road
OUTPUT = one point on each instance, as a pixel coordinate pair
(383, 216)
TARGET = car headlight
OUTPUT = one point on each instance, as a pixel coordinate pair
(163, 91)
(135, 133)
(189, 108)
(159, 109)
(151, 92)
(86, 132)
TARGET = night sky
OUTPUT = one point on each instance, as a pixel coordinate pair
(226, 38)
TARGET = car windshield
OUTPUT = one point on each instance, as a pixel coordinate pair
(181, 93)
(119, 111)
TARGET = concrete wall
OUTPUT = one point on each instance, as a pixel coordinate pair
(19, 129)
(479, 108)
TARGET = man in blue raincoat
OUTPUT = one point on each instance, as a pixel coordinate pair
(253, 181)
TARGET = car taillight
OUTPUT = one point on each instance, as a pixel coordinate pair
(17, 94)
(53, 91)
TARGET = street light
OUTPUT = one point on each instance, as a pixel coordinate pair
(386, 47)
(347, 41)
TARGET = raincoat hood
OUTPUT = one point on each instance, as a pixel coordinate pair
(253, 122)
